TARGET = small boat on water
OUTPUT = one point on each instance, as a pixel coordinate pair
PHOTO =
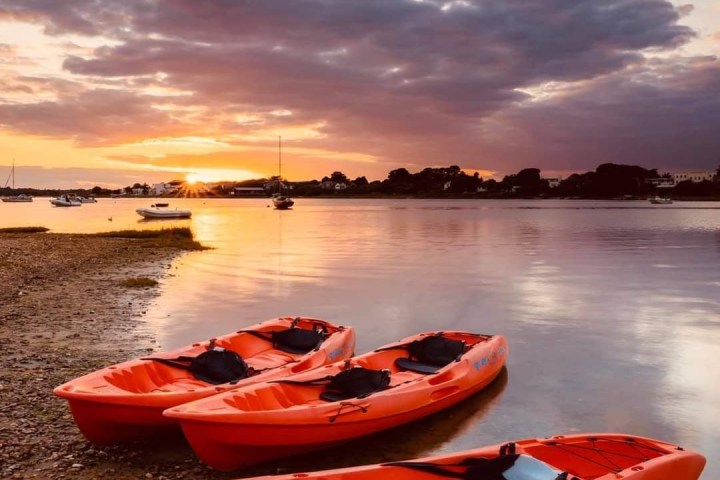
(161, 210)
(603, 456)
(658, 200)
(282, 202)
(87, 199)
(66, 201)
(15, 198)
(125, 401)
(390, 386)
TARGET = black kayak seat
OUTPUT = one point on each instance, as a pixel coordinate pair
(330, 396)
(418, 367)
(503, 467)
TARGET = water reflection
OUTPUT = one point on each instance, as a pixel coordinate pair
(611, 309)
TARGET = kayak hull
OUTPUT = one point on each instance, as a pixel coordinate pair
(275, 420)
(608, 456)
(126, 401)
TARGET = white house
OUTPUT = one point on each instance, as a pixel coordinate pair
(662, 182)
(162, 188)
(553, 182)
(695, 177)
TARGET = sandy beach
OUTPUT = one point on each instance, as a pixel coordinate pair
(63, 313)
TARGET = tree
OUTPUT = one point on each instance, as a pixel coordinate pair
(338, 177)
(97, 190)
(400, 175)
(360, 181)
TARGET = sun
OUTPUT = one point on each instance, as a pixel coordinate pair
(193, 178)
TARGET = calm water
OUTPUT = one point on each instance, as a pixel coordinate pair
(611, 309)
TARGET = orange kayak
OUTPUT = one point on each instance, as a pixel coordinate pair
(125, 401)
(390, 386)
(571, 457)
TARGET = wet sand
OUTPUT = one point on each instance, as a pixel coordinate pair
(63, 313)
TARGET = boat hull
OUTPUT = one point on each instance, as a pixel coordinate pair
(160, 214)
(228, 438)
(64, 203)
(283, 204)
(126, 401)
(19, 199)
(583, 456)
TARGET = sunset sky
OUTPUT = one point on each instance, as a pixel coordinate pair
(108, 92)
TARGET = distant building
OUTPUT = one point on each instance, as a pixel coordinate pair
(553, 182)
(275, 186)
(662, 182)
(695, 177)
(138, 191)
(341, 186)
(248, 191)
(165, 188)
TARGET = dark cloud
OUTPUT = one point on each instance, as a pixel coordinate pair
(417, 83)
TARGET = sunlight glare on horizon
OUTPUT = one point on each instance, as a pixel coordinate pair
(206, 175)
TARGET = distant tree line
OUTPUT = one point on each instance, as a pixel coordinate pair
(608, 180)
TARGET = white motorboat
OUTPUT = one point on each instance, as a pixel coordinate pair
(15, 198)
(658, 200)
(66, 201)
(87, 199)
(161, 210)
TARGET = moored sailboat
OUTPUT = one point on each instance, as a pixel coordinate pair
(281, 201)
(15, 198)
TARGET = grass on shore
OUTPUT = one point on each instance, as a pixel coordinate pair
(24, 230)
(180, 237)
(139, 282)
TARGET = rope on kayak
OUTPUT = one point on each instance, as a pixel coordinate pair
(611, 465)
(347, 404)
(473, 468)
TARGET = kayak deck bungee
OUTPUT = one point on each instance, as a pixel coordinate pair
(610, 456)
(387, 387)
(125, 401)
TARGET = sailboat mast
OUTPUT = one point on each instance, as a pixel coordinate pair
(13, 174)
(279, 164)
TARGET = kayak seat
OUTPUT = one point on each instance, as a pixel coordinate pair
(356, 382)
(330, 396)
(503, 467)
(418, 367)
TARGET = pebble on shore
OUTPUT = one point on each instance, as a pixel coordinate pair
(64, 313)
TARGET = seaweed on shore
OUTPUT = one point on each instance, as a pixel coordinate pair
(180, 237)
(138, 282)
(24, 230)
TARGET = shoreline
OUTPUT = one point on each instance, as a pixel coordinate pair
(64, 313)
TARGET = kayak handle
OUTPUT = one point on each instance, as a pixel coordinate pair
(354, 407)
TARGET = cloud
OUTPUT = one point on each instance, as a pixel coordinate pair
(663, 114)
(404, 82)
